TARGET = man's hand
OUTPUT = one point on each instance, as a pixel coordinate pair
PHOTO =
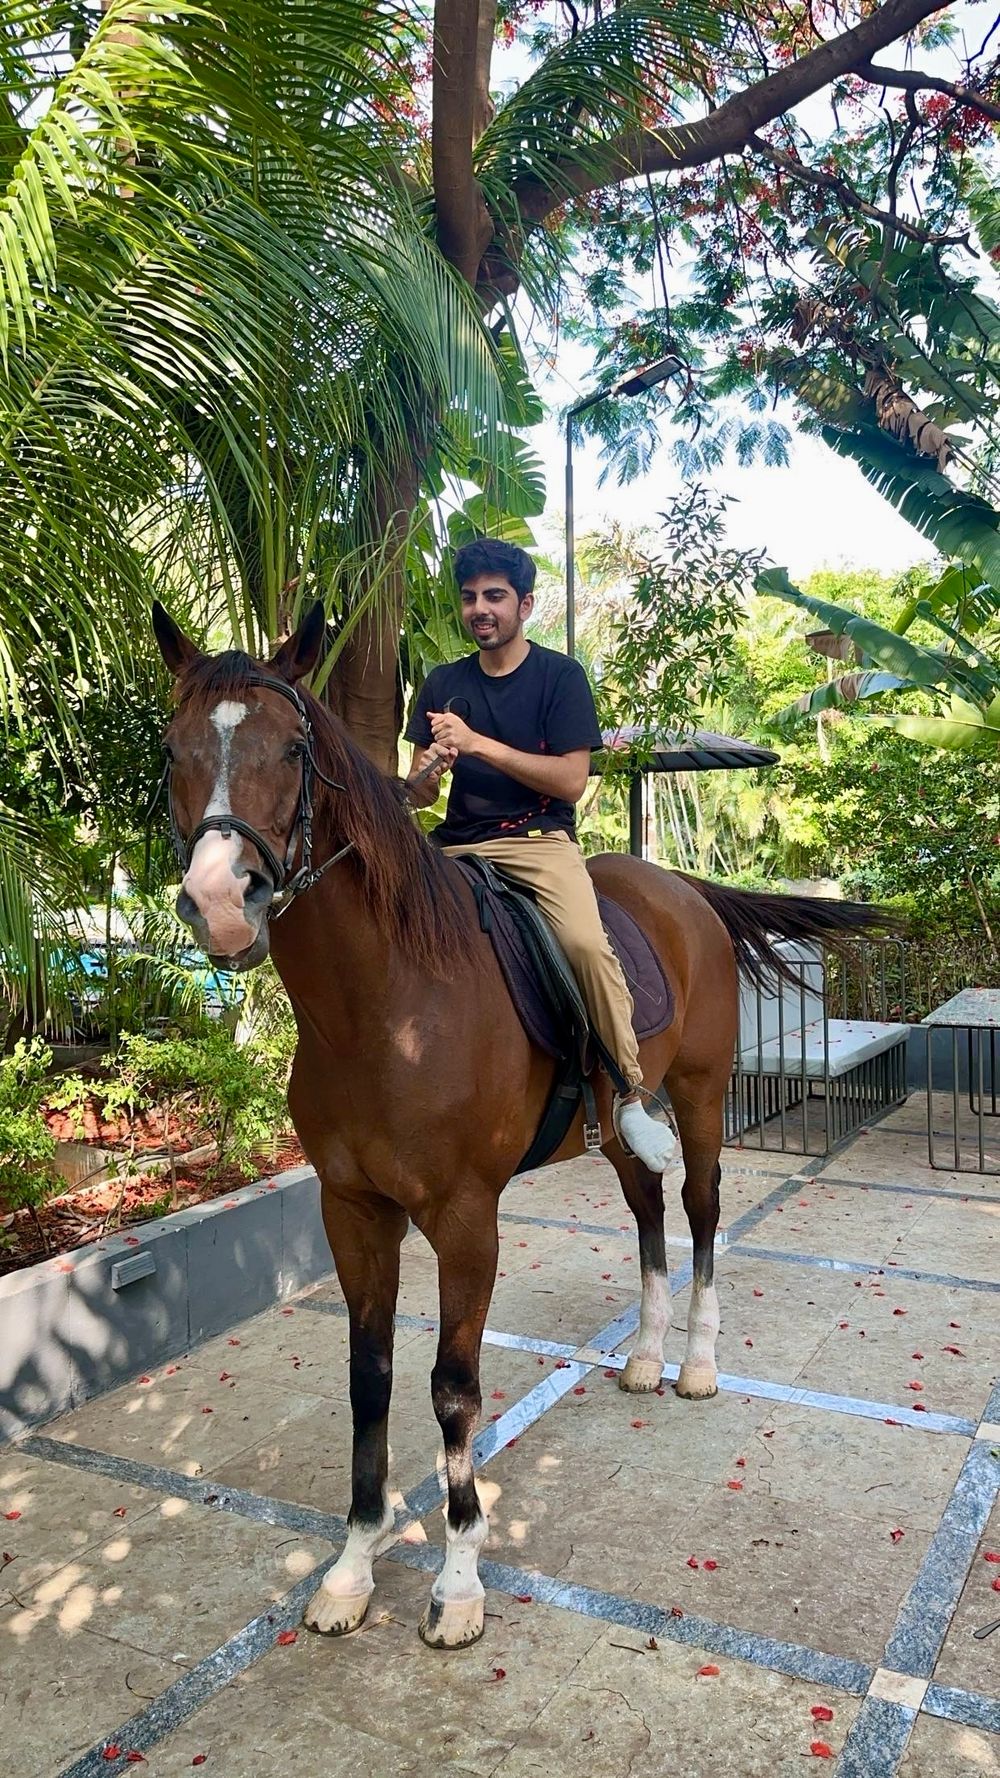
(451, 732)
(426, 792)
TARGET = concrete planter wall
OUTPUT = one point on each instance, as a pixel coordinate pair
(81, 1323)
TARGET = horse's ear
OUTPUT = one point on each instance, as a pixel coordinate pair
(178, 651)
(298, 656)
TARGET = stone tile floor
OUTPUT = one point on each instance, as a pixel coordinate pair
(790, 1573)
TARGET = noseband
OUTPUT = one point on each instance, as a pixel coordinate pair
(283, 884)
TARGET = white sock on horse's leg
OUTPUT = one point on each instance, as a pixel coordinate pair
(698, 1378)
(341, 1600)
(456, 1612)
(645, 1365)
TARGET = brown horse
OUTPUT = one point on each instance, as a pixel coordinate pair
(415, 1090)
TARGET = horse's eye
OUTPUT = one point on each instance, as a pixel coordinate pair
(295, 752)
(169, 752)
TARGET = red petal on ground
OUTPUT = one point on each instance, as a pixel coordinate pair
(899, 1311)
(758, 1293)
(914, 1385)
(711, 1564)
(991, 1556)
(112, 1751)
(132, 1241)
(562, 1364)
(918, 1408)
(133, 1758)
(288, 1311)
(224, 1376)
(821, 1713)
(996, 1586)
(285, 1638)
(741, 1463)
(119, 1512)
(748, 1342)
(954, 1324)
(675, 1611)
(692, 1562)
(897, 1534)
(916, 1355)
(498, 1395)
(611, 1373)
(208, 1410)
(145, 1379)
(708, 1672)
(820, 1750)
(541, 1361)
(956, 1351)
(499, 1673)
(15, 1513)
(494, 1416)
(524, 1598)
(234, 1342)
(604, 1277)
(893, 1422)
(637, 1425)
(737, 1487)
(580, 1389)
(199, 1759)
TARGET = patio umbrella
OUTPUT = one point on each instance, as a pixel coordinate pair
(682, 750)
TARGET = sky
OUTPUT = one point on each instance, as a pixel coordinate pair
(817, 512)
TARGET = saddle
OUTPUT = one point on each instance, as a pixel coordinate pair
(548, 1001)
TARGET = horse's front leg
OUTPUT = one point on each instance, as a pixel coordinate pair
(365, 1236)
(465, 1239)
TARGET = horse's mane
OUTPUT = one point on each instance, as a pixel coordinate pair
(409, 886)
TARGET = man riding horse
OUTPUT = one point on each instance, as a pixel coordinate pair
(516, 725)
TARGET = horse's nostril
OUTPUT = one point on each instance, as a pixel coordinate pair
(187, 908)
(258, 891)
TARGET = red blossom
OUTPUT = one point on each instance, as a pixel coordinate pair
(820, 1750)
(285, 1637)
(897, 1534)
(821, 1713)
(711, 1564)
(710, 1671)
(692, 1562)
(524, 1598)
(15, 1513)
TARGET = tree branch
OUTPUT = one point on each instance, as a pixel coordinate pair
(463, 223)
(849, 196)
(910, 80)
(730, 127)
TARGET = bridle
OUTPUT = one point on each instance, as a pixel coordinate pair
(286, 886)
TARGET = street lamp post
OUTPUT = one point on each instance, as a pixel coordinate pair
(634, 384)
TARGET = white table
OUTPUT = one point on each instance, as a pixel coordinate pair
(976, 1011)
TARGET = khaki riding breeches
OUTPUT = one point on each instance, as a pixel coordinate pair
(553, 866)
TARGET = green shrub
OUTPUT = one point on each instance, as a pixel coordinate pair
(27, 1148)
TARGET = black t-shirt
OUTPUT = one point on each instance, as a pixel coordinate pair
(544, 706)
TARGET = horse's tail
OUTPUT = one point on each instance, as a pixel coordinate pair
(755, 921)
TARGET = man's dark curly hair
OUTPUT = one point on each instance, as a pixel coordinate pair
(489, 555)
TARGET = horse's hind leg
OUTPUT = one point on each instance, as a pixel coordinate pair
(697, 1101)
(365, 1238)
(644, 1195)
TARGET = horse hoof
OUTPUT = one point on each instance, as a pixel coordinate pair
(329, 1615)
(456, 1623)
(641, 1376)
(696, 1382)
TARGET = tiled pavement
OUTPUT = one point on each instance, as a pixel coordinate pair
(791, 1572)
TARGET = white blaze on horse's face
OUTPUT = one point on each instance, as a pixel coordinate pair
(216, 879)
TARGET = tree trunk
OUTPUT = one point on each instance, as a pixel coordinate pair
(364, 687)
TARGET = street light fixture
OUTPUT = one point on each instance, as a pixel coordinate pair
(636, 383)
